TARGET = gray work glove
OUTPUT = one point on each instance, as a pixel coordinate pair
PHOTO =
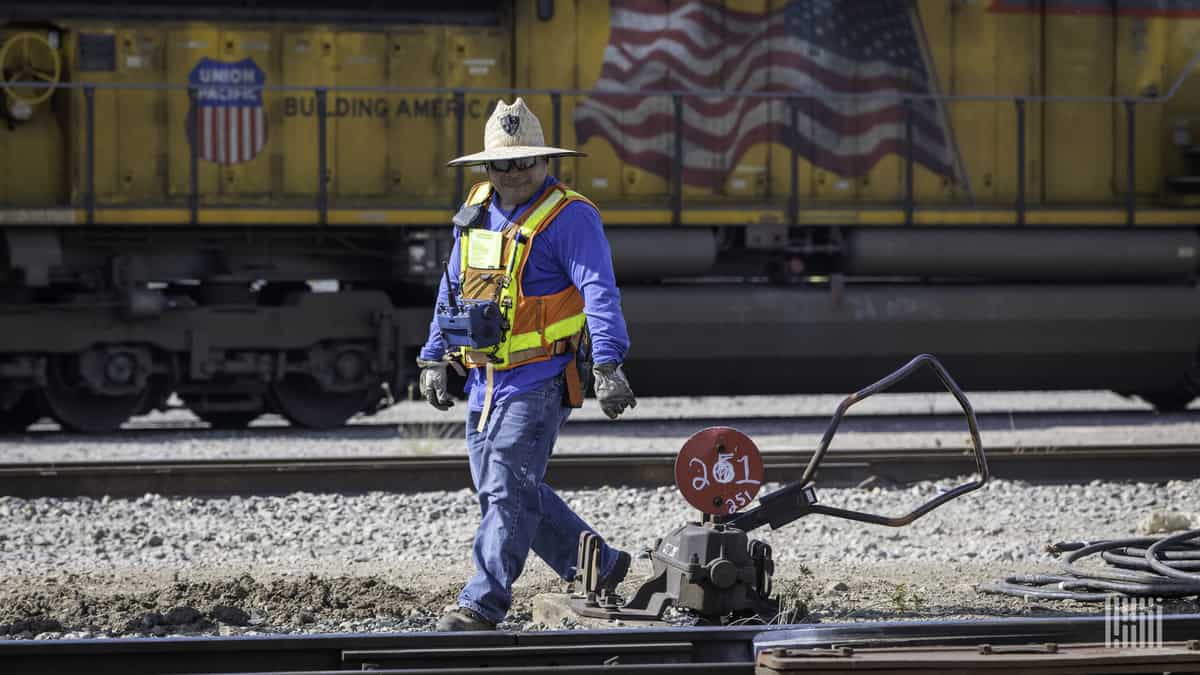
(612, 389)
(433, 384)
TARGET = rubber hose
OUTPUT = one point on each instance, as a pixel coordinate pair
(1140, 567)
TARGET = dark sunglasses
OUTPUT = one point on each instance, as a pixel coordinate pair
(506, 165)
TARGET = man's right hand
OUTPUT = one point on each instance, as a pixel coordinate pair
(433, 384)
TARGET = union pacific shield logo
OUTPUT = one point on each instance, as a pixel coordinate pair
(231, 126)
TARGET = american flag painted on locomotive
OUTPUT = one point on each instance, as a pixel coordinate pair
(231, 125)
(817, 47)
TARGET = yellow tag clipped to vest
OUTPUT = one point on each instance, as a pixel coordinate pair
(484, 248)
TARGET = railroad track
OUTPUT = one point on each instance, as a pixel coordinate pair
(453, 427)
(1024, 645)
(1072, 464)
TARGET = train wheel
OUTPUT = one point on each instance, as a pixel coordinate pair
(24, 413)
(77, 408)
(305, 403)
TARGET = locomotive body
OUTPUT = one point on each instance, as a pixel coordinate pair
(247, 204)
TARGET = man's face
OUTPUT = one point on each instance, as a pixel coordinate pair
(516, 185)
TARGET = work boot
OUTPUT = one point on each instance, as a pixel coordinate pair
(617, 574)
(463, 618)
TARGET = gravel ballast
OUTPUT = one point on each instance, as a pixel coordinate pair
(391, 562)
(387, 562)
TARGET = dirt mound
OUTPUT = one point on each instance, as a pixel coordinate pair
(200, 606)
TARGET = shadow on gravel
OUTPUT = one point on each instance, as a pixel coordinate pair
(157, 437)
(994, 422)
(634, 427)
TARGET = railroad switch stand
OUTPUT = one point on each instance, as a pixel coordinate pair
(712, 568)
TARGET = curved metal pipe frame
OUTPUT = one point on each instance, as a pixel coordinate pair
(886, 383)
(799, 499)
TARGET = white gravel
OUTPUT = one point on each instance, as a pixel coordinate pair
(320, 563)
(379, 561)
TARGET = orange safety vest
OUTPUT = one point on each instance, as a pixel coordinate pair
(492, 264)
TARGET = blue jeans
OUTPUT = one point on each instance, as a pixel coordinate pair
(519, 511)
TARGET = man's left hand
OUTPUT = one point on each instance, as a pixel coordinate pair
(613, 390)
(433, 384)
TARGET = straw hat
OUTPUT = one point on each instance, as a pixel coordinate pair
(513, 132)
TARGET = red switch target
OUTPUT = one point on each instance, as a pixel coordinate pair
(719, 470)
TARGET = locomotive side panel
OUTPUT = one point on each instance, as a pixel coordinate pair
(33, 164)
(381, 147)
(1075, 150)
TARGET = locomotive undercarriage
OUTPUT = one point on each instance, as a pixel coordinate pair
(95, 388)
(120, 324)
(100, 325)
(121, 373)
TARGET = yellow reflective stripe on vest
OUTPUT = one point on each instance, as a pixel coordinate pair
(554, 332)
(534, 222)
(512, 291)
(477, 195)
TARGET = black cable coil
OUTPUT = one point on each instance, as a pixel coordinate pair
(1164, 567)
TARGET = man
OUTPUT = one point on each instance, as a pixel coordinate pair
(531, 261)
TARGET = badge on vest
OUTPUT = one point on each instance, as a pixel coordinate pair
(483, 249)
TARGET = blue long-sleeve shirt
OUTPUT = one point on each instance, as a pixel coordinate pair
(570, 250)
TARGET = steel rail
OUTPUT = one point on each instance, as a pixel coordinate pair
(453, 426)
(1034, 464)
(605, 652)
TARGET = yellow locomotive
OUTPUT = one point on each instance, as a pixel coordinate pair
(246, 204)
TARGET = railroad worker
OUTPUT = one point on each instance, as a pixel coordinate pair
(538, 271)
